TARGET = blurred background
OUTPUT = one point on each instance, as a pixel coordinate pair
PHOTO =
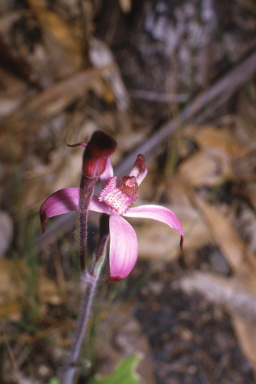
(175, 81)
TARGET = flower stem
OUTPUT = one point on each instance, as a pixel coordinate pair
(86, 190)
(82, 324)
(91, 280)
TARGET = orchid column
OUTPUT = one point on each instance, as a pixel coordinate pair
(95, 157)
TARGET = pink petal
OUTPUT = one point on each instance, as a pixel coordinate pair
(62, 201)
(123, 248)
(159, 213)
(96, 206)
(66, 200)
(107, 174)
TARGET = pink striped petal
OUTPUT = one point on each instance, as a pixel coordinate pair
(107, 174)
(62, 201)
(123, 248)
(159, 213)
(66, 200)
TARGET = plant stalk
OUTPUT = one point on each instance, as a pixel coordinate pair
(86, 303)
(91, 280)
(86, 191)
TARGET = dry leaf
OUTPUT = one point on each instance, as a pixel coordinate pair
(101, 56)
(246, 334)
(250, 191)
(215, 140)
(48, 290)
(234, 158)
(13, 287)
(65, 51)
(246, 117)
(231, 245)
(47, 104)
(125, 5)
(6, 232)
(12, 93)
(204, 169)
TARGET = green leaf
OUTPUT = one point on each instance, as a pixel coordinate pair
(54, 380)
(124, 373)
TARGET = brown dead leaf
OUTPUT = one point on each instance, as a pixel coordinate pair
(204, 169)
(246, 334)
(232, 246)
(11, 311)
(44, 105)
(215, 140)
(65, 51)
(6, 232)
(12, 275)
(13, 287)
(246, 117)
(125, 5)
(12, 93)
(243, 263)
(101, 56)
(233, 156)
(250, 191)
(48, 291)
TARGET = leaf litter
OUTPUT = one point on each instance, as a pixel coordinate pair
(78, 71)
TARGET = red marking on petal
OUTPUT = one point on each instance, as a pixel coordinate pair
(139, 170)
(113, 280)
(181, 243)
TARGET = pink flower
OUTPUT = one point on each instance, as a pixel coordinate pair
(115, 201)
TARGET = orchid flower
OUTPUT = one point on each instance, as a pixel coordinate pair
(115, 200)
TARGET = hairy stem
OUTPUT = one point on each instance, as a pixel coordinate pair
(86, 191)
(91, 280)
(86, 303)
